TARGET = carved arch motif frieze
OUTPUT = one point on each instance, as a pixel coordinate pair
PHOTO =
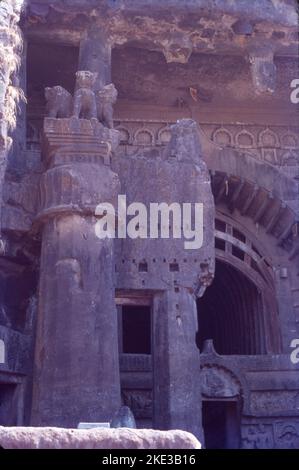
(219, 382)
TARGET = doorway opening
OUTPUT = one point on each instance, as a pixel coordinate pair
(135, 349)
(136, 329)
(221, 424)
(8, 404)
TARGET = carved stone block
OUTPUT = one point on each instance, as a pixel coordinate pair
(140, 402)
(84, 98)
(59, 102)
(257, 436)
(106, 98)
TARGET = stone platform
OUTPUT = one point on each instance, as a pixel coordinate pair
(122, 438)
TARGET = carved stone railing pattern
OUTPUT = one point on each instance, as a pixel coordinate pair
(135, 362)
(275, 145)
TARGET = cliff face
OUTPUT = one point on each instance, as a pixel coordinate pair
(10, 93)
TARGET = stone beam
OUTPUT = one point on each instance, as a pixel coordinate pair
(264, 207)
(280, 12)
(222, 28)
(235, 196)
(275, 216)
(249, 199)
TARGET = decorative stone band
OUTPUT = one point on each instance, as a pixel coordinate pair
(135, 363)
(78, 140)
(79, 177)
(76, 189)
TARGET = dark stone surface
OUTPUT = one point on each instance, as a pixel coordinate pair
(228, 67)
(177, 404)
(124, 418)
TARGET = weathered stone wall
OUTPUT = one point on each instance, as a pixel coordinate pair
(200, 63)
(10, 91)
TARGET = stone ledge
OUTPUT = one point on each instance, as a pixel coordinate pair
(122, 438)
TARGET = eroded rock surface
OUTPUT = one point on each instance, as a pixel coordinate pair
(58, 438)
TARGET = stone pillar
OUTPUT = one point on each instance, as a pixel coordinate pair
(76, 357)
(95, 56)
(175, 274)
(176, 363)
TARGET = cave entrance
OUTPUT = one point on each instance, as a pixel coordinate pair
(8, 404)
(231, 313)
(221, 424)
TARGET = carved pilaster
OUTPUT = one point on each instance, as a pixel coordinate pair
(76, 357)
